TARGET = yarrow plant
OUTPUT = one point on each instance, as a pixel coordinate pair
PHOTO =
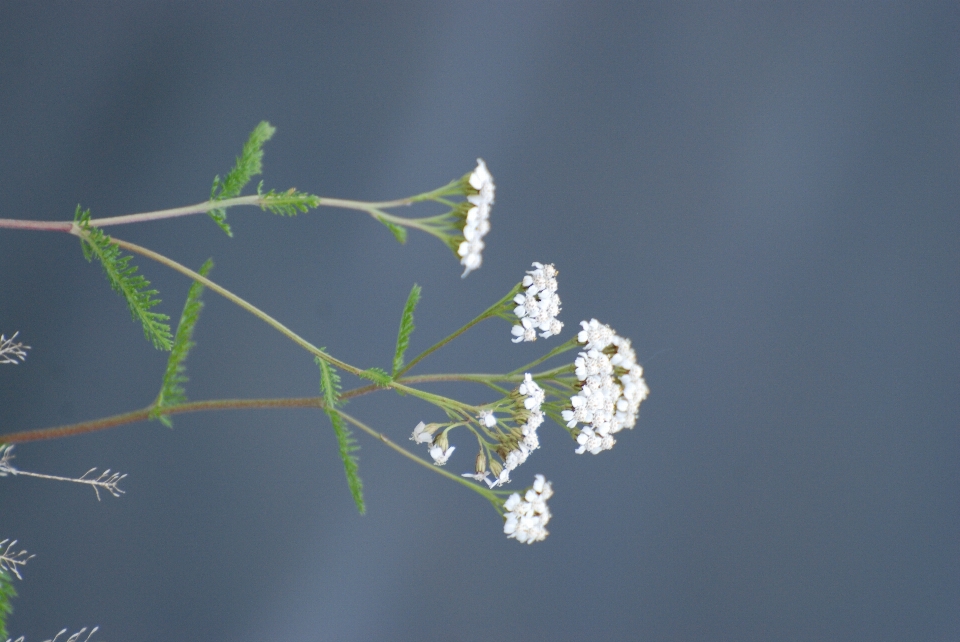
(593, 397)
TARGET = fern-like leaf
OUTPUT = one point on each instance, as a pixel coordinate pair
(248, 165)
(330, 388)
(377, 376)
(399, 232)
(287, 203)
(406, 328)
(172, 392)
(7, 593)
(125, 281)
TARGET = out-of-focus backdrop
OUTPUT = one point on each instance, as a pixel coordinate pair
(763, 197)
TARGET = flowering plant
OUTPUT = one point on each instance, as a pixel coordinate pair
(593, 398)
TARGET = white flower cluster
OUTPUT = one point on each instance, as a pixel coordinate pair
(612, 388)
(532, 397)
(526, 518)
(10, 351)
(478, 218)
(423, 434)
(538, 307)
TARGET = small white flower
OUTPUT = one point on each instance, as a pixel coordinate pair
(487, 418)
(593, 443)
(502, 478)
(525, 519)
(541, 278)
(530, 439)
(538, 307)
(482, 181)
(470, 251)
(480, 477)
(532, 391)
(527, 331)
(421, 435)
(595, 335)
(440, 456)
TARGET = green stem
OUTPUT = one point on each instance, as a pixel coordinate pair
(422, 224)
(254, 199)
(486, 314)
(230, 296)
(560, 349)
(199, 208)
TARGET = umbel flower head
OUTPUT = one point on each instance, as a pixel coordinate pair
(538, 306)
(610, 391)
(525, 519)
(517, 444)
(479, 189)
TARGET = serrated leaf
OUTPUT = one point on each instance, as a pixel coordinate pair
(172, 392)
(406, 328)
(125, 281)
(248, 165)
(377, 376)
(288, 203)
(7, 593)
(399, 232)
(219, 217)
(347, 445)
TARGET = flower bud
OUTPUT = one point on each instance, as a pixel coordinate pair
(480, 467)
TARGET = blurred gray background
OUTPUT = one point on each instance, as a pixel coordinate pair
(764, 197)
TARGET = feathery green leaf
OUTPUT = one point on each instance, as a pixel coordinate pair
(287, 203)
(399, 232)
(172, 392)
(330, 388)
(377, 376)
(7, 593)
(249, 164)
(406, 328)
(125, 281)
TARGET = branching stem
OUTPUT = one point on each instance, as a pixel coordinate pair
(486, 314)
(489, 494)
(233, 298)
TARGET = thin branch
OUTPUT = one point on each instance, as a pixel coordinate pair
(486, 314)
(106, 480)
(489, 494)
(188, 210)
(233, 298)
(73, 638)
(10, 351)
(11, 560)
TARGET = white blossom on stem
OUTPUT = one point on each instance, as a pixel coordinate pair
(440, 455)
(421, 434)
(610, 391)
(482, 476)
(477, 220)
(487, 418)
(537, 308)
(525, 519)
